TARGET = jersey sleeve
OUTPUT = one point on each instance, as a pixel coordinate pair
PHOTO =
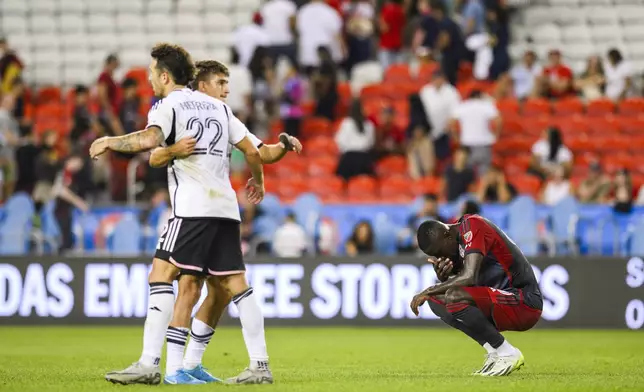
(254, 139)
(237, 131)
(474, 238)
(161, 115)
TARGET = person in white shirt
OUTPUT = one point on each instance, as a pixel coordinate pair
(524, 75)
(548, 153)
(557, 188)
(240, 98)
(480, 124)
(247, 38)
(355, 139)
(619, 76)
(212, 79)
(279, 23)
(290, 239)
(318, 24)
(440, 99)
(203, 236)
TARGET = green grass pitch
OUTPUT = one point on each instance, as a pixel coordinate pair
(334, 360)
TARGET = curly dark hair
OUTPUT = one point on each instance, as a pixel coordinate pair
(206, 69)
(176, 61)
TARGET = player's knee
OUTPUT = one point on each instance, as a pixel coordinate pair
(162, 271)
(190, 289)
(455, 295)
(439, 309)
(234, 284)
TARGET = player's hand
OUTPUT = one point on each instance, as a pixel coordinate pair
(291, 143)
(99, 147)
(184, 148)
(255, 191)
(443, 267)
(418, 301)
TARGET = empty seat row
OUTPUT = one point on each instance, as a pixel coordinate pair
(566, 16)
(48, 7)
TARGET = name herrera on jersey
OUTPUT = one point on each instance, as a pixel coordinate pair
(194, 105)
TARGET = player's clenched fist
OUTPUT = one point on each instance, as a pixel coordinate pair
(184, 148)
(443, 267)
(99, 147)
(255, 191)
(291, 143)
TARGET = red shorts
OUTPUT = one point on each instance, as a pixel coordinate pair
(505, 309)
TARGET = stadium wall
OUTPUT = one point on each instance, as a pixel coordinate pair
(368, 291)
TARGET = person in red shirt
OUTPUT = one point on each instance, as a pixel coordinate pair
(390, 137)
(108, 97)
(391, 23)
(557, 78)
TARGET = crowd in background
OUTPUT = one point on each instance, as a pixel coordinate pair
(293, 52)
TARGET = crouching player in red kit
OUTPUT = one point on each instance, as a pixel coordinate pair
(487, 286)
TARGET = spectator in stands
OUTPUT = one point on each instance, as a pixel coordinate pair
(469, 207)
(556, 81)
(358, 31)
(22, 107)
(47, 167)
(84, 126)
(240, 98)
(263, 75)
(420, 150)
(291, 110)
(10, 66)
(355, 139)
(440, 99)
(108, 97)
(459, 177)
(10, 140)
(590, 84)
(449, 42)
(391, 23)
(525, 74)
(595, 187)
(279, 25)
(623, 192)
(426, 33)
(318, 24)
(472, 17)
(325, 85)
(619, 76)
(498, 23)
(480, 124)
(290, 239)
(548, 153)
(129, 112)
(247, 38)
(390, 137)
(429, 210)
(494, 188)
(557, 187)
(361, 241)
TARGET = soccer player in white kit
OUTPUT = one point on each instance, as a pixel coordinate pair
(211, 79)
(203, 235)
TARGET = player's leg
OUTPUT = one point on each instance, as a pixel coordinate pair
(228, 266)
(160, 306)
(437, 305)
(189, 292)
(203, 329)
(474, 307)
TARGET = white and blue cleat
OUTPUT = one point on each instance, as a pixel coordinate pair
(181, 377)
(201, 373)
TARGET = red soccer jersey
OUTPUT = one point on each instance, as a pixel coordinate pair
(112, 90)
(504, 265)
(394, 17)
(559, 72)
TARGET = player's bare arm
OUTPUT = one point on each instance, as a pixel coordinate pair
(255, 187)
(161, 156)
(466, 277)
(273, 153)
(134, 142)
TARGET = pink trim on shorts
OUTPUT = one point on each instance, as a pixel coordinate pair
(218, 273)
(184, 266)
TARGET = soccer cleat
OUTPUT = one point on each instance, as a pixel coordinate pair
(201, 373)
(490, 360)
(504, 366)
(249, 376)
(181, 377)
(137, 373)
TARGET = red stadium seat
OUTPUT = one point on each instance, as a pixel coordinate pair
(631, 107)
(576, 125)
(426, 71)
(600, 108)
(607, 125)
(526, 184)
(614, 162)
(308, 107)
(567, 107)
(426, 185)
(290, 188)
(579, 144)
(321, 146)
(535, 125)
(508, 106)
(48, 95)
(397, 73)
(632, 125)
(636, 145)
(536, 107)
(362, 187)
(396, 189)
(391, 166)
(322, 166)
(291, 166)
(327, 186)
(316, 126)
(373, 91)
(517, 164)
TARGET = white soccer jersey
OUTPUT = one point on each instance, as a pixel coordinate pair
(199, 185)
